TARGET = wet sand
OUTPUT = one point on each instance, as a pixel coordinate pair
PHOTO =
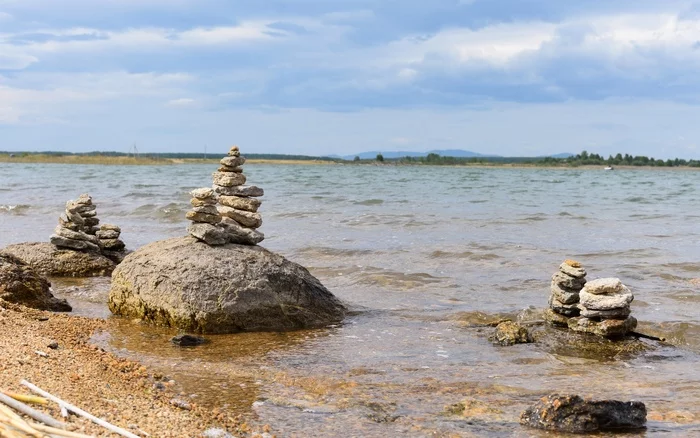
(123, 392)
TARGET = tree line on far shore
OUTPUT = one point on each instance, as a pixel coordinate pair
(582, 159)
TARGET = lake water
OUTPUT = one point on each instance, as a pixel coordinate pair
(423, 255)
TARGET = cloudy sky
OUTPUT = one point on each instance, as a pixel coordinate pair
(507, 77)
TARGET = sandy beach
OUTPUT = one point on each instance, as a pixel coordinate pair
(122, 392)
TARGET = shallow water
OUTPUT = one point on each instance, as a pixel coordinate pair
(424, 256)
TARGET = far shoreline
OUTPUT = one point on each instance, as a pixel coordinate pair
(151, 161)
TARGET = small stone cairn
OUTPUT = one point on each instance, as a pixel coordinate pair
(227, 212)
(605, 309)
(564, 298)
(78, 229)
(77, 226)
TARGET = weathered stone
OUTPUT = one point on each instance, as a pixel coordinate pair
(91, 221)
(206, 209)
(75, 235)
(203, 217)
(74, 217)
(84, 199)
(563, 309)
(199, 288)
(83, 209)
(107, 234)
(606, 302)
(48, 260)
(116, 256)
(187, 340)
(237, 202)
(21, 284)
(112, 244)
(223, 168)
(92, 230)
(563, 295)
(604, 286)
(511, 333)
(245, 191)
(574, 271)
(567, 281)
(245, 218)
(80, 245)
(573, 414)
(88, 214)
(110, 227)
(210, 234)
(239, 234)
(203, 193)
(228, 179)
(202, 202)
(232, 161)
(606, 314)
(555, 318)
(72, 207)
(234, 151)
(606, 327)
(65, 223)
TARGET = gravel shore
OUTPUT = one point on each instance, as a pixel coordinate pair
(53, 352)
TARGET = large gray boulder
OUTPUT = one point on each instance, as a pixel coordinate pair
(185, 283)
(51, 261)
(20, 284)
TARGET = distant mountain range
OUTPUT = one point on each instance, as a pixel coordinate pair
(370, 155)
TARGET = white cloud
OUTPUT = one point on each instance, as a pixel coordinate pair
(4, 16)
(183, 102)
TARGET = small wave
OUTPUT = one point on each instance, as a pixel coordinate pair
(139, 195)
(369, 202)
(316, 251)
(478, 201)
(146, 186)
(468, 255)
(171, 212)
(18, 209)
(398, 280)
(638, 200)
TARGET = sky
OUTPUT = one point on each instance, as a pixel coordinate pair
(321, 77)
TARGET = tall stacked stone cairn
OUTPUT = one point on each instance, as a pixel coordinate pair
(78, 229)
(564, 297)
(605, 309)
(228, 212)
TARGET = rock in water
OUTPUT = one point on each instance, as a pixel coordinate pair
(20, 284)
(185, 283)
(573, 414)
(187, 340)
(511, 333)
(48, 260)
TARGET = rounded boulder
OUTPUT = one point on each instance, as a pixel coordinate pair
(52, 261)
(20, 284)
(185, 283)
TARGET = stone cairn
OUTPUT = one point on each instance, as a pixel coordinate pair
(78, 229)
(564, 297)
(605, 309)
(227, 212)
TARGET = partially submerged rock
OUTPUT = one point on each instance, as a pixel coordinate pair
(185, 283)
(573, 414)
(51, 261)
(511, 333)
(20, 284)
(187, 340)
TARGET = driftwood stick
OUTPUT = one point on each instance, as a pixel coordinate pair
(32, 413)
(642, 335)
(82, 413)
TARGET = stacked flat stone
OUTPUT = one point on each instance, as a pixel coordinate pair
(564, 296)
(605, 309)
(77, 226)
(108, 235)
(238, 203)
(205, 217)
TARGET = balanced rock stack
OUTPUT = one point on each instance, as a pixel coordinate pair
(605, 309)
(112, 246)
(565, 288)
(235, 219)
(77, 226)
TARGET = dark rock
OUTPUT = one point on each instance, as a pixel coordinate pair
(21, 284)
(608, 327)
(187, 340)
(236, 233)
(244, 191)
(51, 261)
(208, 233)
(199, 288)
(53, 345)
(563, 309)
(511, 333)
(555, 318)
(573, 414)
(203, 217)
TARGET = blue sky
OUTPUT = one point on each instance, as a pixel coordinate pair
(507, 77)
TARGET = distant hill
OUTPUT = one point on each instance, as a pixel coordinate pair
(369, 155)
